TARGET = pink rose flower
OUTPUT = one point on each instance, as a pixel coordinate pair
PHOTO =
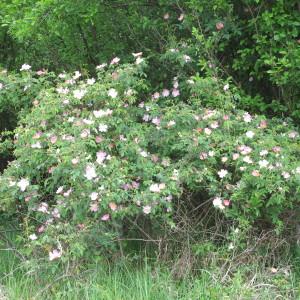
(105, 217)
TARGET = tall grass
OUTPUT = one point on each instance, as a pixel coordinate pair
(145, 281)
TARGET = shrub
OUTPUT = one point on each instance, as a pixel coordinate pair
(17, 95)
(95, 154)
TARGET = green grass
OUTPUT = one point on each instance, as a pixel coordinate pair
(149, 281)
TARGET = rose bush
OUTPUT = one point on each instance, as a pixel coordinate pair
(17, 95)
(94, 153)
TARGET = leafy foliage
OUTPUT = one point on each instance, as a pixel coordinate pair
(17, 95)
(94, 154)
(256, 42)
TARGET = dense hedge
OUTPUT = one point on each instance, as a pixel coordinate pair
(254, 41)
(18, 91)
(94, 154)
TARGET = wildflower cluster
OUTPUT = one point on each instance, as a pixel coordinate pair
(94, 152)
